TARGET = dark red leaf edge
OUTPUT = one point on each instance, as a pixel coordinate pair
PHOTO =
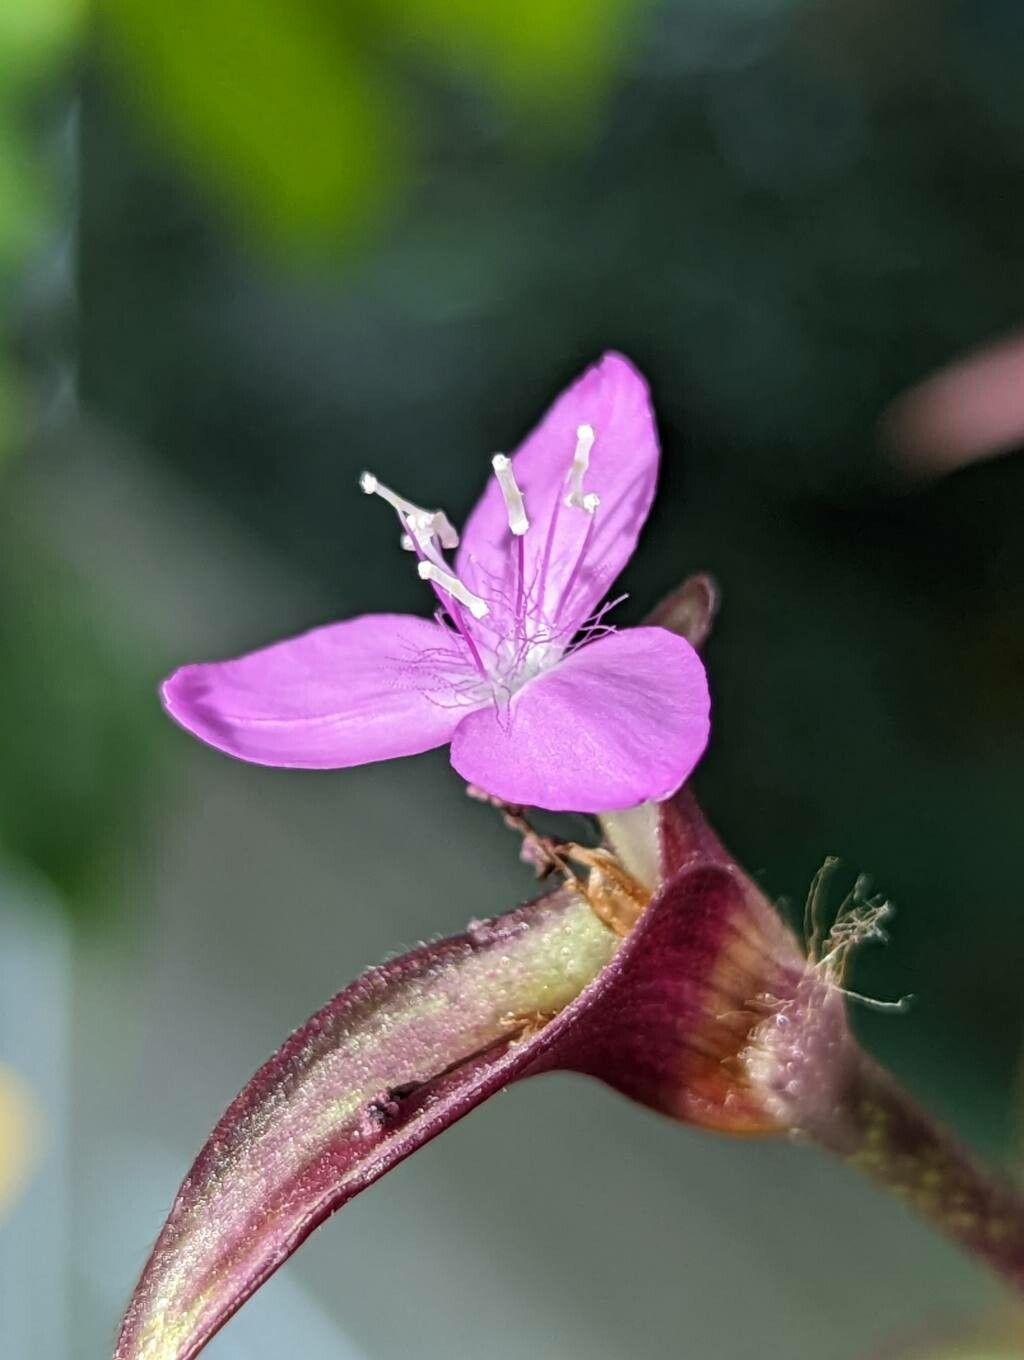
(660, 1023)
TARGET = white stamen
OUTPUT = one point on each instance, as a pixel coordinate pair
(444, 531)
(580, 463)
(425, 524)
(591, 502)
(454, 587)
(514, 507)
(407, 544)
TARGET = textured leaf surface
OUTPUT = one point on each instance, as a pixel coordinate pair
(376, 1073)
(412, 1046)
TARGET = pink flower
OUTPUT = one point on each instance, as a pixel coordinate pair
(543, 702)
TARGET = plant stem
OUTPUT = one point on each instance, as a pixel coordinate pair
(860, 1112)
(882, 1131)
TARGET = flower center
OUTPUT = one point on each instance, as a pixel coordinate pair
(524, 633)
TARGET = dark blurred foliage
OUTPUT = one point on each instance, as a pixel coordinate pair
(75, 753)
(34, 42)
(78, 755)
(310, 115)
(783, 212)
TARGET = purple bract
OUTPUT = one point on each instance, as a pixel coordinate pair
(412, 1046)
(543, 702)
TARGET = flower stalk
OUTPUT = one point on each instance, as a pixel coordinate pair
(824, 1088)
(803, 1065)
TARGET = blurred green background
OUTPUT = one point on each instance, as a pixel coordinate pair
(247, 251)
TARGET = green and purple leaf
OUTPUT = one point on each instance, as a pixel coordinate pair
(414, 1045)
(383, 1067)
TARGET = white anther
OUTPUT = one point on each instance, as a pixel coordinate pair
(424, 524)
(444, 530)
(454, 587)
(514, 507)
(407, 544)
(580, 463)
(591, 502)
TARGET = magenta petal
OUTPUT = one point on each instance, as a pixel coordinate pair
(613, 398)
(616, 723)
(375, 687)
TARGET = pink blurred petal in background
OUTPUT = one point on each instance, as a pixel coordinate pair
(971, 409)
